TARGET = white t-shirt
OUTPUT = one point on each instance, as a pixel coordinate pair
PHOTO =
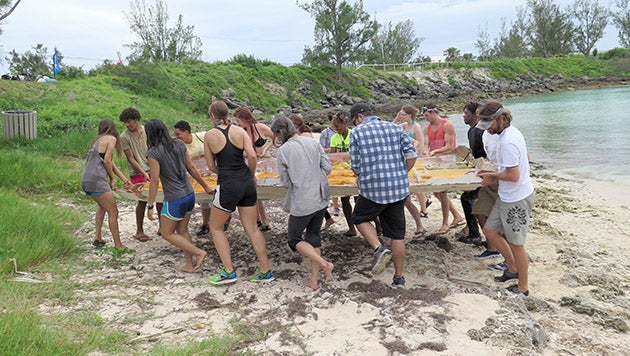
(490, 145)
(512, 152)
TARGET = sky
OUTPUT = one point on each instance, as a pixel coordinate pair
(88, 32)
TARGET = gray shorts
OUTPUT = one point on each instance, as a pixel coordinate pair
(512, 219)
(486, 197)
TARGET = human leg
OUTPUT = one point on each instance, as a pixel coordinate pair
(422, 200)
(107, 203)
(347, 213)
(398, 256)
(248, 220)
(329, 220)
(98, 224)
(442, 197)
(262, 215)
(220, 240)
(140, 211)
(522, 266)
(415, 214)
(176, 233)
(458, 219)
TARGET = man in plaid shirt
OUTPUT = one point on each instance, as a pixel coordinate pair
(381, 154)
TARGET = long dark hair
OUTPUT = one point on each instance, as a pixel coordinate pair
(157, 134)
(108, 127)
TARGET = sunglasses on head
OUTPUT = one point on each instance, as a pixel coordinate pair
(425, 109)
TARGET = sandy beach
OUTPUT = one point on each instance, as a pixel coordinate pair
(579, 279)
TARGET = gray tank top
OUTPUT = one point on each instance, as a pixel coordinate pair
(95, 178)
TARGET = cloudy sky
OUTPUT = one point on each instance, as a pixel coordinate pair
(88, 32)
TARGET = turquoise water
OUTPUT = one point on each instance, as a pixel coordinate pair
(583, 132)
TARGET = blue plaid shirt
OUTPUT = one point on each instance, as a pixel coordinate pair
(379, 151)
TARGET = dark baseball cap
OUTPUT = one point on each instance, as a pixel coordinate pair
(359, 108)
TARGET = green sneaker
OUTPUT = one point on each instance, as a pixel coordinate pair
(262, 277)
(223, 277)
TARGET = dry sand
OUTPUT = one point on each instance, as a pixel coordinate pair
(579, 278)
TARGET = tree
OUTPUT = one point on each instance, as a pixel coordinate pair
(512, 43)
(158, 42)
(592, 19)
(394, 44)
(621, 18)
(6, 9)
(550, 29)
(31, 64)
(452, 54)
(483, 43)
(342, 31)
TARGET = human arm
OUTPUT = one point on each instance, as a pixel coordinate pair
(194, 172)
(265, 132)
(208, 154)
(154, 166)
(425, 144)
(324, 162)
(510, 174)
(248, 151)
(134, 163)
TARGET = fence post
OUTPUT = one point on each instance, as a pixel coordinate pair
(19, 123)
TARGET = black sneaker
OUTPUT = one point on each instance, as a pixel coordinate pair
(488, 254)
(506, 276)
(499, 266)
(382, 255)
(470, 239)
(98, 243)
(398, 282)
(203, 230)
(514, 289)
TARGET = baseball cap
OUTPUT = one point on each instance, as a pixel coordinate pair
(486, 121)
(359, 108)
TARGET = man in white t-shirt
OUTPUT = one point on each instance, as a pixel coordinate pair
(507, 225)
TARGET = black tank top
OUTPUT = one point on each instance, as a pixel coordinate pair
(260, 141)
(230, 161)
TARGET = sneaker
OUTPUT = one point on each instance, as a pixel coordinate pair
(205, 229)
(470, 239)
(514, 289)
(336, 211)
(223, 277)
(98, 243)
(499, 266)
(398, 282)
(506, 276)
(382, 255)
(488, 254)
(262, 277)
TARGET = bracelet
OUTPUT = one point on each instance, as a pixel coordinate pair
(149, 207)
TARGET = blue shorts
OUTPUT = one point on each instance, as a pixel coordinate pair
(177, 209)
(392, 216)
(93, 194)
(232, 194)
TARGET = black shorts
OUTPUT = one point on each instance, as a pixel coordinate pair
(391, 215)
(232, 194)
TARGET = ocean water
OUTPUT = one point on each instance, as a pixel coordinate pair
(582, 133)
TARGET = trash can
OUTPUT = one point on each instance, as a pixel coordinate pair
(19, 123)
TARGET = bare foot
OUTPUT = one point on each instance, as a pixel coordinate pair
(313, 285)
(458, 222)
(328, 223)
(328, 270)
(201, 259)
(121, 247)
(142, 237)
(187, 269)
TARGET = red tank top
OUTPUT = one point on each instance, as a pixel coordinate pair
(436, 138)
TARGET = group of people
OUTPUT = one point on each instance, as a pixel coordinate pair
(381, 155)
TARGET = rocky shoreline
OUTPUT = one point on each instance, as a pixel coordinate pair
(450, 89)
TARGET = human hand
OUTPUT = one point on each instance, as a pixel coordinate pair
(150, 214)
(487, 177)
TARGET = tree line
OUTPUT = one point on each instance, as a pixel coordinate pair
(346, 35)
